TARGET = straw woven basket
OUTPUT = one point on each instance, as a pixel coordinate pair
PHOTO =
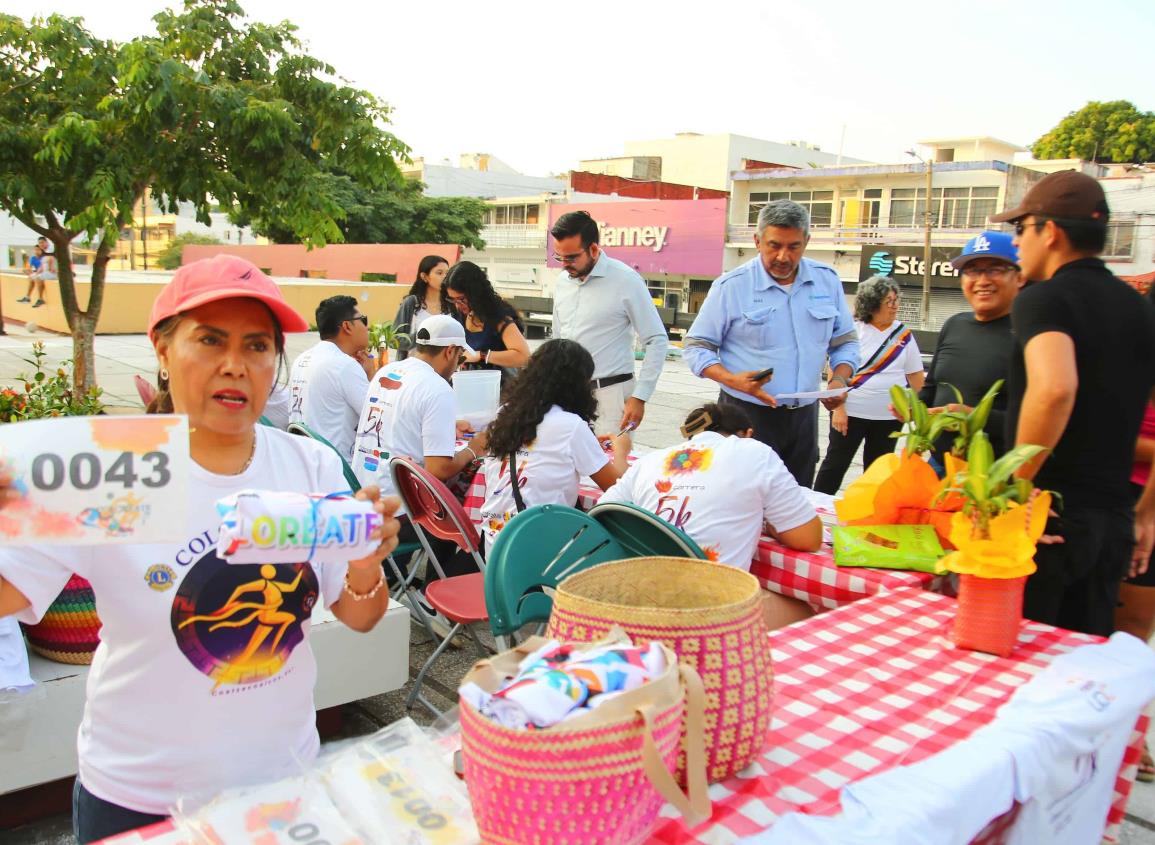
(710, 615)
(990, 612)
(70, 629)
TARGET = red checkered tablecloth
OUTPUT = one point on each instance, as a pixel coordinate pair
(812, 577)
(864, 689)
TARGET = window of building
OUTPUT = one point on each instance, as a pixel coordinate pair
(953, 208)
(820, 204)
(378, 277)
(521, 214)
(1120, 239)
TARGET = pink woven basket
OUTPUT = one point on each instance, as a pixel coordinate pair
(710, 615)
(600, 784)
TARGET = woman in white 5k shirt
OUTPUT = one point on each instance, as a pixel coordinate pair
(544, 427)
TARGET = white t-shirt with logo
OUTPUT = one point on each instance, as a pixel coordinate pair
(717, 489)
(204, 677)
(548, 470)
(872, 400)
(327, 388)
(408, 410)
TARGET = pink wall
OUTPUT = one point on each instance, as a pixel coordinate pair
(338, 261)
(664, 236)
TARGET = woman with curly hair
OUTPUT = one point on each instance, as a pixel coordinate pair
(425, 299)
(890, 356)
(542, 442)
(493, 328)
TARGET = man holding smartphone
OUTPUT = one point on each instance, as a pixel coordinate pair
(767, 329)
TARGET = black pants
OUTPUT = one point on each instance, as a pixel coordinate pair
(94, 818)
(1077, 583)
(453, 559)
(791, 432)
(842, 448)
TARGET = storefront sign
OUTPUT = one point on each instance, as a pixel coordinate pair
(663, 236)
(906, 265)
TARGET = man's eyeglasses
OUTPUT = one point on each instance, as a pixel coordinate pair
(1021, 226)
(569, 259)
(456, 299)
(999, 271)
(364, 320)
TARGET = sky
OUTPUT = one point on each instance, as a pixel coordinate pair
(542, 85)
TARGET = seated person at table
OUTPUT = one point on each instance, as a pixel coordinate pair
(545, 425)
(409, 410)
(719, 485)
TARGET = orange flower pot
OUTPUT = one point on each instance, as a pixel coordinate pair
(990, 612)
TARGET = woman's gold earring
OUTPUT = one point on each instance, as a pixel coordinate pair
(164, 373)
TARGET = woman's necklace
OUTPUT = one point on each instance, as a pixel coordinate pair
(252, 454)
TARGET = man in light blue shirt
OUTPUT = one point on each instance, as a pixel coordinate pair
(601, 303)
(781, 311)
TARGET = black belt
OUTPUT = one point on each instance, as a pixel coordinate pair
(599, 383)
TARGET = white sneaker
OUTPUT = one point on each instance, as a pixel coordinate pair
(440, 625)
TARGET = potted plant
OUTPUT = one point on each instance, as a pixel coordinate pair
(995, 533)
(385, 336)
(69, 631)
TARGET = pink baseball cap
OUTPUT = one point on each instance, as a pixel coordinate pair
(222, 277)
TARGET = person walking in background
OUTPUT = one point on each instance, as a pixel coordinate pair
(328, 381)
(772, 323)
(974, 349)
(890, 357)
(1081, 376)
(602, 303)
(426, 298)
(41, 267)
(493, 328)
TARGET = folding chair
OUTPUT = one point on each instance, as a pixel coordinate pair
(642, 534)
(460, 599)
(303, 430)
(538, 548)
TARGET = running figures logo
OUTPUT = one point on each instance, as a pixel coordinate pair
(881, 262)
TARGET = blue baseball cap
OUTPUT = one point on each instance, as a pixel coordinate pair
(988, 245)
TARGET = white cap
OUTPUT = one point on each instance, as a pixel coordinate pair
(441, 330)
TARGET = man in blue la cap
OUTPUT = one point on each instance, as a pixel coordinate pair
(974, 349)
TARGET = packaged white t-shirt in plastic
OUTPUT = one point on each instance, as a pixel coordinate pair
(273, 526)
(408, 410)
(548, 469)
(327, 389)
(717, 489)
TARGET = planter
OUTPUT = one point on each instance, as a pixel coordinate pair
(990, 612)
(70, 629)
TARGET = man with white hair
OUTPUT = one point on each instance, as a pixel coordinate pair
(767, 329)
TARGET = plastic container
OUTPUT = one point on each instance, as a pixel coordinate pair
(478, 394)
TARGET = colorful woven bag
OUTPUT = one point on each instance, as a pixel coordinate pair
(989, 614)
(70, 629)
(597, 779)
(710, 615)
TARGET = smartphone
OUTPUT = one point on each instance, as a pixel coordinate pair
(766, 373)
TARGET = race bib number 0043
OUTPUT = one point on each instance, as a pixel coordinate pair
(109, 479)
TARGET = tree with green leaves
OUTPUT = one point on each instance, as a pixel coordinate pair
(169, 258)
(213, 109)
(393, 214)
(1112, 132)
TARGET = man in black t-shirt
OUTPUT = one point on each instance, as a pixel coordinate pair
(974, 349)
(1081, 375)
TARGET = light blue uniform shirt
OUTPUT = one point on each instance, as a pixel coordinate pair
(750, 322)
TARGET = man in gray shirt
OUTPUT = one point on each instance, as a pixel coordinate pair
(601, 303)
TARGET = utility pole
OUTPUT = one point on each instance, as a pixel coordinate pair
(928, 222)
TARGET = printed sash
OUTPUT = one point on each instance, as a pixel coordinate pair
(883, 357)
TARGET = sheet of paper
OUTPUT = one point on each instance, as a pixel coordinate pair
(814, 394)
(14, 673)
(105, 479)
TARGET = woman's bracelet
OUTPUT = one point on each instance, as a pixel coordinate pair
(353, 594)
(469, 449)
(487, 352)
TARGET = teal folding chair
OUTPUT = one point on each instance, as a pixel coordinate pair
(304, 431)
(266, 421)
(642, 534)
(538, 548)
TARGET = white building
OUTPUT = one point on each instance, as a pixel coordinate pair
(478, 175)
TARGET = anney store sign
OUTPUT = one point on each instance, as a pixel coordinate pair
(663, 236)
(905, 264)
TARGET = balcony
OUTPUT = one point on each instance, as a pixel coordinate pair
(513, 236)
(827, 236)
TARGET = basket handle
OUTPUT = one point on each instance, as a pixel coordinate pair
(694, 805)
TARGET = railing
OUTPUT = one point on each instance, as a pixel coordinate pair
(896, 235)
(513, 235)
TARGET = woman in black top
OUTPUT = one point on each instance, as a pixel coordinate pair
(493, 328)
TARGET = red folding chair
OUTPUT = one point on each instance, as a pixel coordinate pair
(460, 599)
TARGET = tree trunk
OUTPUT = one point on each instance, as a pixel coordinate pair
(81, 323)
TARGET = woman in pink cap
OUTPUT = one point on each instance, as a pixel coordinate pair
(184, 698)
